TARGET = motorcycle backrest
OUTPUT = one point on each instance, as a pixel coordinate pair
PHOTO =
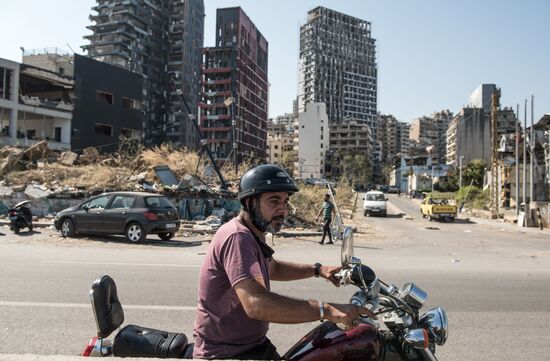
(106, 306)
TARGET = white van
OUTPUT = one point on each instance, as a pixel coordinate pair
(375, 203)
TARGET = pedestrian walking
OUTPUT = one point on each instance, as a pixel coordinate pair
(327, 211)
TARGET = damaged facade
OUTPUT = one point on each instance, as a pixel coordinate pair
(160, 41)
(337, 66)
(235, 89)
(71, 102)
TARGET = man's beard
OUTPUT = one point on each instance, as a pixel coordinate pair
(263, 224)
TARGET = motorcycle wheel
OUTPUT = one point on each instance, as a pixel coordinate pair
(16, 229)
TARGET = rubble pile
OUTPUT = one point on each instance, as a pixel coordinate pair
(67, 173)
(40, 173)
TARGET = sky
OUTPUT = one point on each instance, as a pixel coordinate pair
(431, 54)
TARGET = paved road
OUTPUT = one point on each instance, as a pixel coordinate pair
(492, 283)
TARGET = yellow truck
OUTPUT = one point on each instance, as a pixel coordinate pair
(438, 208)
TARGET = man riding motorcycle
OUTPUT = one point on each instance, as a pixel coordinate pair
(235, 302)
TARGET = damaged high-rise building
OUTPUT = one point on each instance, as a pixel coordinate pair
(338, 66)
(235, 89)
(160, 40)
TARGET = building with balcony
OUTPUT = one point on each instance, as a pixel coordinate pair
(280, 141)
(235, 88)
(348, 137)
(337, 66)
(161, 41)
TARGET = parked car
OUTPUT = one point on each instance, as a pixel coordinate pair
(375, 203)
(133, 214)
(438, 208)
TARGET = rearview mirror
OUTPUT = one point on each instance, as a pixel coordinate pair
(85, 207)
(347, 247)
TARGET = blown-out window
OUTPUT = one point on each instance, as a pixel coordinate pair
(104, 97)
(103, 129)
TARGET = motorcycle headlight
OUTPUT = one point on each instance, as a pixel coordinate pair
(413, 295)
(435, 320)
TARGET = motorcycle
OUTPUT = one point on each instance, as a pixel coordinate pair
(20, 217)
(401, 332)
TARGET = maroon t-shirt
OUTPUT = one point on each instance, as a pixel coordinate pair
(222, 327)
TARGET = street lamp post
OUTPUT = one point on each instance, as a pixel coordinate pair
(230, 104)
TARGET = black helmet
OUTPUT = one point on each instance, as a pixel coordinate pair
(265, 178)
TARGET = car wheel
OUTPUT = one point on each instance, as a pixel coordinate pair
(166, 236)
(135, 232)
(30, 227)
(67, 228)
(430, 218)
(385, 214)
(364, 213)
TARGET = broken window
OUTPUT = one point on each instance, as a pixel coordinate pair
(131, 103)
(129, 133)
(5, 77)
(104, 129)
(104, 97)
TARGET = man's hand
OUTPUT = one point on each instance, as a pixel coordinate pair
(346, 314)
(328, 272)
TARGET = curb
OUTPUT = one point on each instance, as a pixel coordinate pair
(30, 357)
(34, 224)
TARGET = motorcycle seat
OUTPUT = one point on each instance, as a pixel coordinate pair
(106, 306)
(137, 341)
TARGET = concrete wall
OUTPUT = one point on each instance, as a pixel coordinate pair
(314, 141)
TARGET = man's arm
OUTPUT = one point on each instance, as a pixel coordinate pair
(261, 304)
(286, 271)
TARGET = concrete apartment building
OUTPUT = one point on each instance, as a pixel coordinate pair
(235, 88)
(280, 140)
(87, 103)
(337, 65)
(404, 137)
(347, 137)
(388, 137)
(423, 131)
(441, 119)
(313, 130)
(161, 41)
(469, 133)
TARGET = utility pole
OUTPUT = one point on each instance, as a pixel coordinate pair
(532, 155)
(412, 171)
(460, 171)
(525, 156)
(494, 154)
(517, 159)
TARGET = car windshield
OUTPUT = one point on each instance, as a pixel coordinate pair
(375, 197)
(158, 202)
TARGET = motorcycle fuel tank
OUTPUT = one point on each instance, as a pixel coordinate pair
(328, 342)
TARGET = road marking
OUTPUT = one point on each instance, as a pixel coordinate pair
(87, 305)
(126, 264)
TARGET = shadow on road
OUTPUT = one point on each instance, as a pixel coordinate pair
(26, 233)
(463, 221)
(399, 215)
(148, 241)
